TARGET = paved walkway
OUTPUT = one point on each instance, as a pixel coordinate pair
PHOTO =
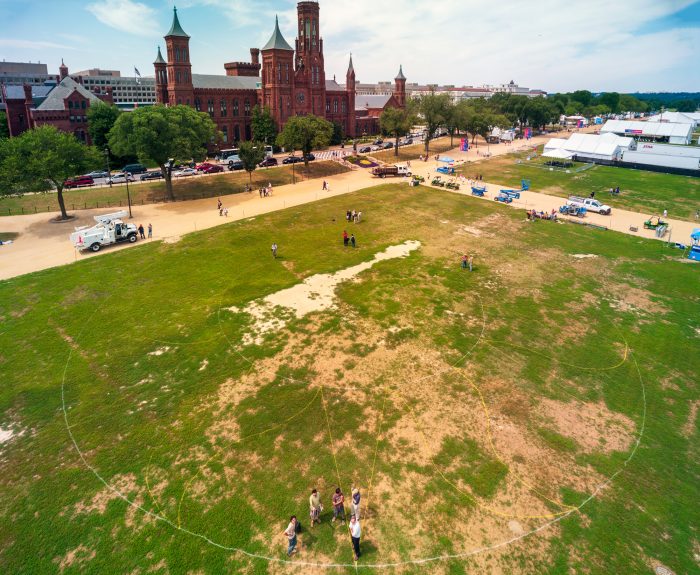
(43, 245)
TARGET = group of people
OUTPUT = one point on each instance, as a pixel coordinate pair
(266, 191)
(468, 262)
(142, 231)
(353, 216)
(533, 215)
(349, 240)
(315, 510)
(615, 191)
(222, 210)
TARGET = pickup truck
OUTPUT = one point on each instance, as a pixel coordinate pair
(391, 171)
(590, 204)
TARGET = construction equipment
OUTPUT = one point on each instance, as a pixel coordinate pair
(504, 198)
(110, 229)
(512, 193)
(391, 171)
(447, 170)
(570, 210)
(480, 192)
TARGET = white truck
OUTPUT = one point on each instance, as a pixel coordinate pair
(110, 229)
(590, 204)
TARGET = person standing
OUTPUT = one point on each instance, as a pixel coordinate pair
(355, 534)
(291, 533)
(274, 250)
(697, 215)
(315, 507)
(219, 204)
(345, 239)
(665, 213)
(471, 263)
(353, 242)
(142, 232)
(150, 231)
(325, 185)
(355, 502)
(338, 505)
(465, 259)
(359, 217)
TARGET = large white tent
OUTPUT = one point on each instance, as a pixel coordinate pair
(678, 118)
(608, 147)
(657, 131)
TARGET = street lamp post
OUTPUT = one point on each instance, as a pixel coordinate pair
(109, 171)
(128, 194)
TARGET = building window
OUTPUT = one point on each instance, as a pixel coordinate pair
(198, 104)
(224, 130)
(70, 105)
(335, 106)
(224, 109)
(328, 106)
(279, 72)
(286, 68)
(248, 135)
(343, 107)
(247, 108)
(178, 75)
(210, 107)
(235, 109)
(83, 104)
(237, 133)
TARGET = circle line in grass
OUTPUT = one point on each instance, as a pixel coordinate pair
(629, 354)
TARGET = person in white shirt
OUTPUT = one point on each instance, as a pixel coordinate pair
(355, 534)
(291, 533)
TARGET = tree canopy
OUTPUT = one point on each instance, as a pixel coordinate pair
(4, 130)
(101, 119)
(251, 154)
(42, 159)
(397, 122)
(305, 133)
(263, 126)
(434, 110)
(161, 133)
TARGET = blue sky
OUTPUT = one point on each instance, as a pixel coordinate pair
(628, 45)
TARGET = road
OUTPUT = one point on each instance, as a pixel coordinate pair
(43, 245)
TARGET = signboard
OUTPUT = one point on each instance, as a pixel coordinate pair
(637, 132)
(580, 124)
(464, 145)
(527, 133)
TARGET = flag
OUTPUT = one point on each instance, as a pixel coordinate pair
(138, 75)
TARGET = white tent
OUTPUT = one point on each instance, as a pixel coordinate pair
(678, 118)
(607, 147)
(559, 154)
(675, 133)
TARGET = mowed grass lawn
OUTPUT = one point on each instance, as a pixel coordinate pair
(413, 152)
(184, 189)
(469, 408)
(641, 191)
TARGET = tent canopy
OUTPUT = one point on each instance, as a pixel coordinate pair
(446, 160)
(559, 154)
(696, 234)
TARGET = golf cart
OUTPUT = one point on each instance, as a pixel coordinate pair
(654, 223)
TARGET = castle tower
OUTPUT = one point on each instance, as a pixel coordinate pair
(161, 67)
(311, 71)
(180, 89)
(350, 87)
(400, 88)
(63, 70)
(278, 77)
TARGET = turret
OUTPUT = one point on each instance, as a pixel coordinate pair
(161, 67)
(63, 70)
(400, 88)
(278, 76)
(180, 89)
(350, 87)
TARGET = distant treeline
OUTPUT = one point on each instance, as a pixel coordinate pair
(588, 104)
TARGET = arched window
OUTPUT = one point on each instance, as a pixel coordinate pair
(247, 108)
(343, 107)
(210, 107)
(328, 106)
(237, 133)
(248, 135)
(279, 72)
(335, 106)
(179, 77)
(224, 109)
(224, 130)
(235, 111)
(286, 68)
(198, 104)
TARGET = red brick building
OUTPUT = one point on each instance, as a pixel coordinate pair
(63, 105)
(289, 81)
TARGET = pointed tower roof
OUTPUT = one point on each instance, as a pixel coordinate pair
(277, 41)
(159, 59)
(400, 76)
(351, 68)
(176, 29)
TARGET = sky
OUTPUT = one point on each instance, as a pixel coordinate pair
(555, 45)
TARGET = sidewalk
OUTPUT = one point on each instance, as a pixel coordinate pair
(42, 245)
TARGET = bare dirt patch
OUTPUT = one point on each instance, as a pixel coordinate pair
(124, 484)
(691, 423)
(593, 426)
(75, 558)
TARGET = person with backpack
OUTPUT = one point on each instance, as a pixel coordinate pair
(291, 533)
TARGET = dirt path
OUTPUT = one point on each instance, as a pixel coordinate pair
(42, 245)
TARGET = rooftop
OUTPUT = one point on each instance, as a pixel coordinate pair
(176, 29)
(277, 41)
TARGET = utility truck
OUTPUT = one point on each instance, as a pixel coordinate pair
(110, 229)
(391, 171)
(590, 204)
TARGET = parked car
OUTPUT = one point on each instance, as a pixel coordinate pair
(135, 169)
(121, 178)
(388, 146)
(309, 158)
(186, 173)
(79, 182)
(292, 160)
(375, 148)
(407, 141)
(235, 165)
(365, 150)
(213, 170)
(97, 174)
(268, 163)
(202, 167)
(151, 176)
(378, 142)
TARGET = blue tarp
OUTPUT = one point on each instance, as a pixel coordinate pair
(696, 234)
(446, 160)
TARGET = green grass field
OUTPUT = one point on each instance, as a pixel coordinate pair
(153, 192)
(641, 191)
(536, 416)
(439, 146)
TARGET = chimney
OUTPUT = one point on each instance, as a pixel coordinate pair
(255, 56)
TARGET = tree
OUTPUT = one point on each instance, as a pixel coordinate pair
(397, 122)
(611, 100)
(305, 133)
(338, 134)
(43, 159)
(584, 97)
(685, 105)
(101, 119)
(4, 130)
(263, 126)
(434, 111)
(251, 154)
(161, 133)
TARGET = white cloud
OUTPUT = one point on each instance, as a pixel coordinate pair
(126, 16)
(551, 44)
(32, 44)
(240, 13)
